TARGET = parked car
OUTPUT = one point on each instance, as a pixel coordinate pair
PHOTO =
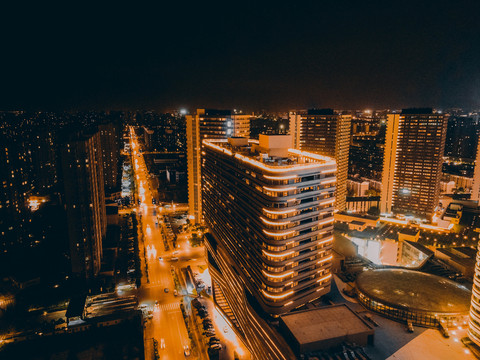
(215, 346)
(410, 327)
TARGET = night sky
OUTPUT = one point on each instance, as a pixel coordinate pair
(276, 56)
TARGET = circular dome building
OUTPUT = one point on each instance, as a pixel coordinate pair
(406, 295)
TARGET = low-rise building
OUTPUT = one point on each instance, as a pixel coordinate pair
(412, 254)
(358, 187)
(367, 220)
(324, 328)
(462, 259)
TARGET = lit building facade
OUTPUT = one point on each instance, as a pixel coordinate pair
(43, 176)
(325, 132)
(110, 153)
(412, 167)
(211, 124)
(476, 176)
(474, 319)
(462, 137)
(269, 209)
(82, 171)
(13, 166)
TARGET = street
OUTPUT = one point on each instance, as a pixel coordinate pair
(167, 322)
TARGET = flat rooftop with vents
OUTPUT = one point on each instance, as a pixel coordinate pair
(324, 328)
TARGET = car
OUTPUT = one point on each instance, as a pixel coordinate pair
(215, 346)
(162, 343)
(160, 258)
(174, 259)
(410, 327)
(166, 290)
(175, 292)
(225, 329)
(156, 302)
(186, 350)
(175, 252)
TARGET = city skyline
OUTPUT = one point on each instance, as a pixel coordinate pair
(122, 219)
(240, 181)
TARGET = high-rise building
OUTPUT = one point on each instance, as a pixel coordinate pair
(367, 143)
(269, 209)
(413, 159)
(147, 138)
(462, 137)
(110, 154)
(268, 124)
(325, 132)
(82, 175)
(474, 320)
(13, 190)
(211, 124)
(162, 132)
(43, 175)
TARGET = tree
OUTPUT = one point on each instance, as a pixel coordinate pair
(371, 192)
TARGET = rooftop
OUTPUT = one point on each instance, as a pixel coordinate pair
(460, 256)
(356, 222)
(409, 231)
(360, 216)
(417, 111)
(310, 326)
(76, 306)
(420, 247)
(251, 151)
(414, 290)
(320, 112)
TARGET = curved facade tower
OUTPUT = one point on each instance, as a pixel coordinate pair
(474, 321)
(269, 209)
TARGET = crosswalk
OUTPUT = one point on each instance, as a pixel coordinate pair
(169, 307)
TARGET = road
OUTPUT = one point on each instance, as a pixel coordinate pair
(167, 322)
